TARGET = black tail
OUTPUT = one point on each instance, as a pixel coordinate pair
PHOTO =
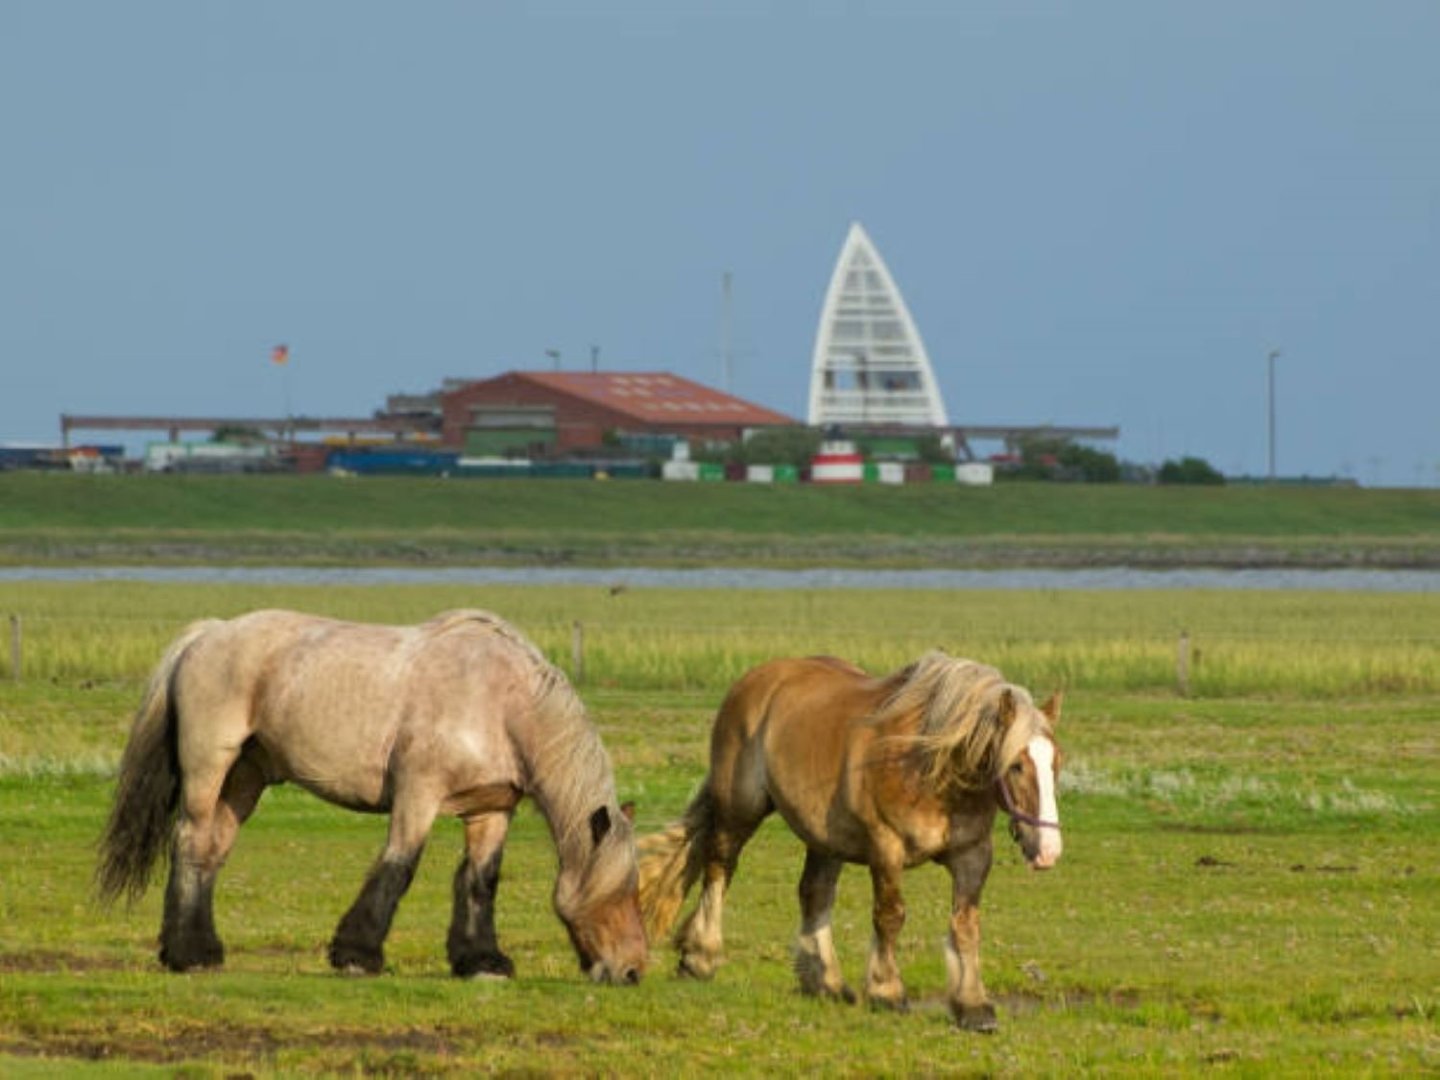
(147, 791)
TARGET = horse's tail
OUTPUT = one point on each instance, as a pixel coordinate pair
(147, 790)
(670, 863)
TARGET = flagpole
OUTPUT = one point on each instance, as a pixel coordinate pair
(280, 355)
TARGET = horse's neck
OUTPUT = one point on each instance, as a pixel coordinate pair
(569, 777)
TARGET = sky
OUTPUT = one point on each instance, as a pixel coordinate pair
(1104, 213)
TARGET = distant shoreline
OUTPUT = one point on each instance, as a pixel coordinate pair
(842, 553)
(617, 580)
(148, 520)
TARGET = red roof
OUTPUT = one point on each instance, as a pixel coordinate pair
(658, 398)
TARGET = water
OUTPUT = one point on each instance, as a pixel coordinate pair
(1104, 579)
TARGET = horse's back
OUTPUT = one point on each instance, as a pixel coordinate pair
(769, 693)
(343, 707)
(785, 731)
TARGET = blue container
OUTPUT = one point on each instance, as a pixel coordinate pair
(395, 462)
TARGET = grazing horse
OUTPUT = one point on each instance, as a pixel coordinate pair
(890, 772)
(460, 715)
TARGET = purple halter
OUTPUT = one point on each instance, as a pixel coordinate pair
(1016, 814)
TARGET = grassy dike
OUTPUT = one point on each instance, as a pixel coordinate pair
(323, 520)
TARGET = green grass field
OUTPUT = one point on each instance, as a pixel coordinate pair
(325, 520)
(1250, 881)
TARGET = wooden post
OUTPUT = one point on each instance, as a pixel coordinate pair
(15, 650)
(577, 652)
(1182, 664)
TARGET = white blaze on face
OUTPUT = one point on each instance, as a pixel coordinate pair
(1042, 753)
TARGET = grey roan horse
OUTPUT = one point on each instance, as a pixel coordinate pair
(460, 715)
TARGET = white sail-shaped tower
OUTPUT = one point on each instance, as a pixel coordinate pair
(870, 368)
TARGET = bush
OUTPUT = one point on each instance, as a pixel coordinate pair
(1190, 470)
(774, 446)
(1061, 459)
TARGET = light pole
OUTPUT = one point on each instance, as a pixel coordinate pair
(1270, 363)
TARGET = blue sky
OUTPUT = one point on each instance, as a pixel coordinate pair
(1103, 213)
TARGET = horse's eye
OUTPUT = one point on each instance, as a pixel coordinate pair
(1017, 768)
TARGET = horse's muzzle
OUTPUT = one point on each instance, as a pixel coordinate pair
(599, 972)
(1041, 846)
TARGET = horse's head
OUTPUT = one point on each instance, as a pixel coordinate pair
(1028, 784)
(599, 903)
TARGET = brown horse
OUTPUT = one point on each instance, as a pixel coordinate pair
(889, 772)
(460, 715)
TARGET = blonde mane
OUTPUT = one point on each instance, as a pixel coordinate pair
(948, 713)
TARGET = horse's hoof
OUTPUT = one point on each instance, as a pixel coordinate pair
(693, 967)
(352, 960)
(180, 958)
(484, 966)
(979, 1018)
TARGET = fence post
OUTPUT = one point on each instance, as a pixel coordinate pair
(577, 652)
(1182, 664)
(16, 655)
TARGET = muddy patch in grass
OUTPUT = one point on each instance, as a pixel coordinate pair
(44, 961)
(231, 1042)
(1020, 1003)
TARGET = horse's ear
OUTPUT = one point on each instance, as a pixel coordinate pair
(1007, 707)
(628, 809)
(1051, 708)
(599, 825)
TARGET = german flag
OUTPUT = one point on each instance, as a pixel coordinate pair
(280, 354)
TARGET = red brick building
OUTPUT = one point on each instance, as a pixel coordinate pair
(563, 411)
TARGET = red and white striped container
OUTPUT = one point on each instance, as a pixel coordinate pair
(837, 462)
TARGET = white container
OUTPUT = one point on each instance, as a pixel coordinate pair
(890, 472)
(680, 470)
(975, 473)
(760, 474)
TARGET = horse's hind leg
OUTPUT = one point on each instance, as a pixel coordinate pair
(701, 938)
(471, 945)
(358, 944)
(816, 964)
(203, 838)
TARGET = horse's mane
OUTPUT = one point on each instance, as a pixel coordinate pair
(570, 772)
(947, 712)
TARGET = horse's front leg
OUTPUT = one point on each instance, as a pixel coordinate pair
(472, 946)
(816, 964)
(969, 1003)
(358, 944)
(883, 986)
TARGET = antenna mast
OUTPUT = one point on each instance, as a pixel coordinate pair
(725, 351)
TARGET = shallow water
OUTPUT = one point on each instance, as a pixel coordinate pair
(1109, 579)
